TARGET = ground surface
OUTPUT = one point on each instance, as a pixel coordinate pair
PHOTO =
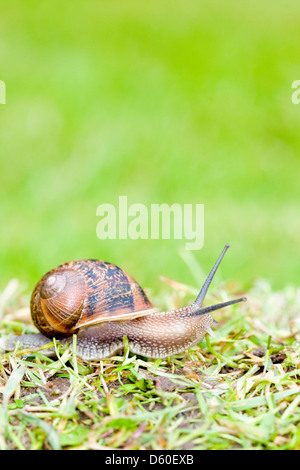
(240, 390)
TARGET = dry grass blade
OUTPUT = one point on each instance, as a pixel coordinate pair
(12, 383)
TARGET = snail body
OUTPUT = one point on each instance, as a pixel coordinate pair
(101, 303)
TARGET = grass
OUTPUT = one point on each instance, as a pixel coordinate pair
(240, 390)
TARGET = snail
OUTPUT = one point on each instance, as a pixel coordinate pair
(101, 303)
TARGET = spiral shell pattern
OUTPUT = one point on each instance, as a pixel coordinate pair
(85, 292)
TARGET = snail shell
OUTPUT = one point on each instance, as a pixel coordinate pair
(85, 292)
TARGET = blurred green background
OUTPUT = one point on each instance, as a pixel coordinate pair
(165, 102)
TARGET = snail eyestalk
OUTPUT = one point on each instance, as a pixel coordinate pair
(211, 308)
(196, 306)
(199, 301)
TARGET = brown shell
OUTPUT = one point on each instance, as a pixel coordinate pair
(85, 292)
